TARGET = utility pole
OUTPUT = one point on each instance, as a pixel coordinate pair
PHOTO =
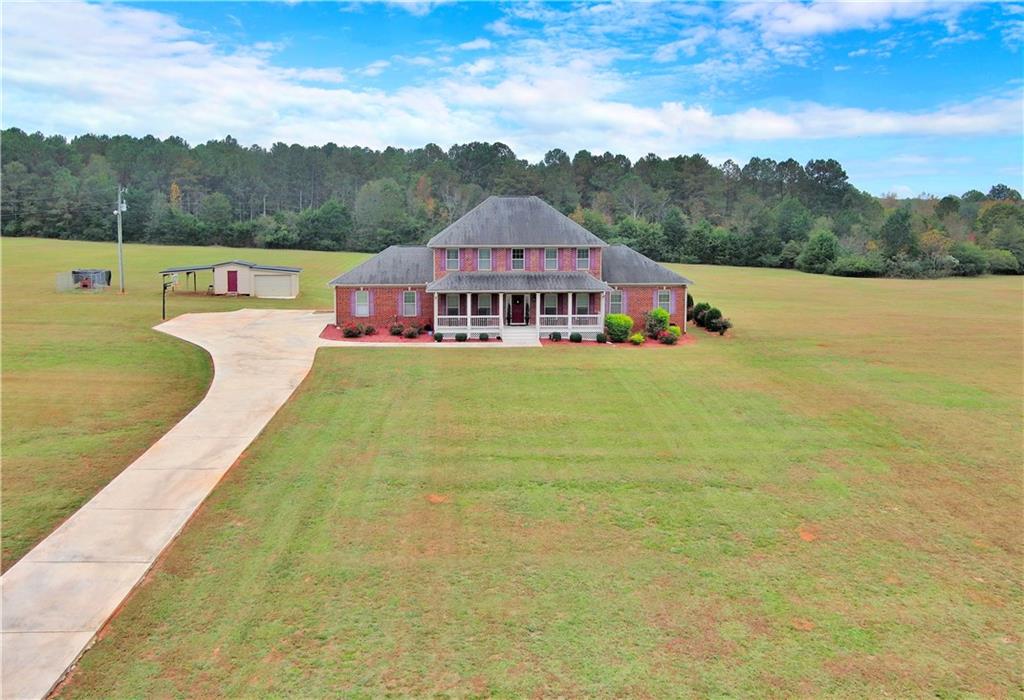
(121, 207)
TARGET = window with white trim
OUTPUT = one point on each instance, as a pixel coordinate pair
(551, 258)
(483, 304)
(451, 259)
(408, 303)
(518, 259)
(362, 303)
(451, 304)
(582, 304)
(615, 303)
(550, 304)
(583, 258)
(665, 299)
(483, 259)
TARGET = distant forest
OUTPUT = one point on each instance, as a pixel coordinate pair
(679, 209)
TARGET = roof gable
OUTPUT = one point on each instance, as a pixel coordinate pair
(621, 264)
(514, 221)
(397, 264)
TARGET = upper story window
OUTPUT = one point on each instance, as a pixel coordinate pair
(451, 259)
(615, 305)
(518, 259)
(483, 259)
(551, 258)
(664, 299)
(583, 258)
(362, 303)
(408, 303)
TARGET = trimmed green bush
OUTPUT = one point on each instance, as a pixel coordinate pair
(351, 330)
(698, 312)
(618, 327)
(555, 337)
(396, 329)
(655, 321)
(601, 338)
(461, 337)
(438, 337)
(711, 315)
(410, 332)
(675, 330)
(575, 338)
(667, 338)
(369, 330)
(637, 339)
(484, 337)
(719, 325)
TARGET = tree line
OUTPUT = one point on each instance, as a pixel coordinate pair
(680, 209)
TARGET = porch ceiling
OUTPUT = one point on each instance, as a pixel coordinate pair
(518, 282)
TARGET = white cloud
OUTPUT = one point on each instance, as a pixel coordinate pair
(75, 68)
(420, 8)
(840, 69)
(798, 19)
(959, 38)
(857, 52)
(475, 44)
(502, 27)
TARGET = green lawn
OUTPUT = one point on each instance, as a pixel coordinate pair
(87, 385)
(826, 502)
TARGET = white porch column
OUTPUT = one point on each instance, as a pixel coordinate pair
(537, 307)
(435, 311)
(469, 308)
(600, 318)
(685, 310)
(571, 309)
(501, 311)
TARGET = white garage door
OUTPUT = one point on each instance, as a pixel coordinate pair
(273, 285)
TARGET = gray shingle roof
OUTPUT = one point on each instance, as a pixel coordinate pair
(243, 263)
(398, 264)
(514, 221)
(517, 282)
(621, 264)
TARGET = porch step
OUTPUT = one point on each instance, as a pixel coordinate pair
(525, 336)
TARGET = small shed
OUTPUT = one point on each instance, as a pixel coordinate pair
(245, 278)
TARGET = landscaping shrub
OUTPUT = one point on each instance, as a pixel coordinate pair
(351, 330)
(698, 312)
(396, 329)
(719, 325)
(655, 321)
(438, 337)
(710, 316)
(484, 337)
(668, 338)
(618, 327)
(637, 339)
(1001, 262)
(369, 330)
(601, 338)
(461, 337)
(410, 332)
(689, 301)
(575, 338)
(555, 337)
(857, 266)
(428, 327)
(675, 330)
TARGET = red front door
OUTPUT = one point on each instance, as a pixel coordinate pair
(232, 281)
(518, 309)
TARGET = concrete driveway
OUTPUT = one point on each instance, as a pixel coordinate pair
(59, 595)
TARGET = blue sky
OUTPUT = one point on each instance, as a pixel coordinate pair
(910, 96)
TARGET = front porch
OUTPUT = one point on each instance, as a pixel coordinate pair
(543, 312)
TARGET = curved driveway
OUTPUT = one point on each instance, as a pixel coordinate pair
(58, 595)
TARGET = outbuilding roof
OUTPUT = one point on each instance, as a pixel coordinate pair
(514, 221)
(518, 282)
(621, 264)
(243, 263)
(397, 264)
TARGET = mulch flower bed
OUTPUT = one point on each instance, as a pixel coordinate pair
(685, 340)
(332, 332)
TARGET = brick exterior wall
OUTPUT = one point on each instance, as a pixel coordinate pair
(385, 306)
(640, 300)
(501, 260)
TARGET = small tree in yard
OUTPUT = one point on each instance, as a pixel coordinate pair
(819, 253)
(655, 321)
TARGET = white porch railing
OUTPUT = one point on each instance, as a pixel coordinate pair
(468, 321)
(547, 321)
(451, 321)
(483, 321)
(587, 320)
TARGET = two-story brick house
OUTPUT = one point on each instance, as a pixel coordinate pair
(510, 261)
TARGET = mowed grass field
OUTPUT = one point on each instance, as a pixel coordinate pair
(826, 502)
(87, 384)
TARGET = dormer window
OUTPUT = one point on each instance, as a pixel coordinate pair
(583, 258)
(451, 260)
(518, 259)
(483, 259)
(551, 259)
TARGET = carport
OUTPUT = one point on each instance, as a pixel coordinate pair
(243, 278)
